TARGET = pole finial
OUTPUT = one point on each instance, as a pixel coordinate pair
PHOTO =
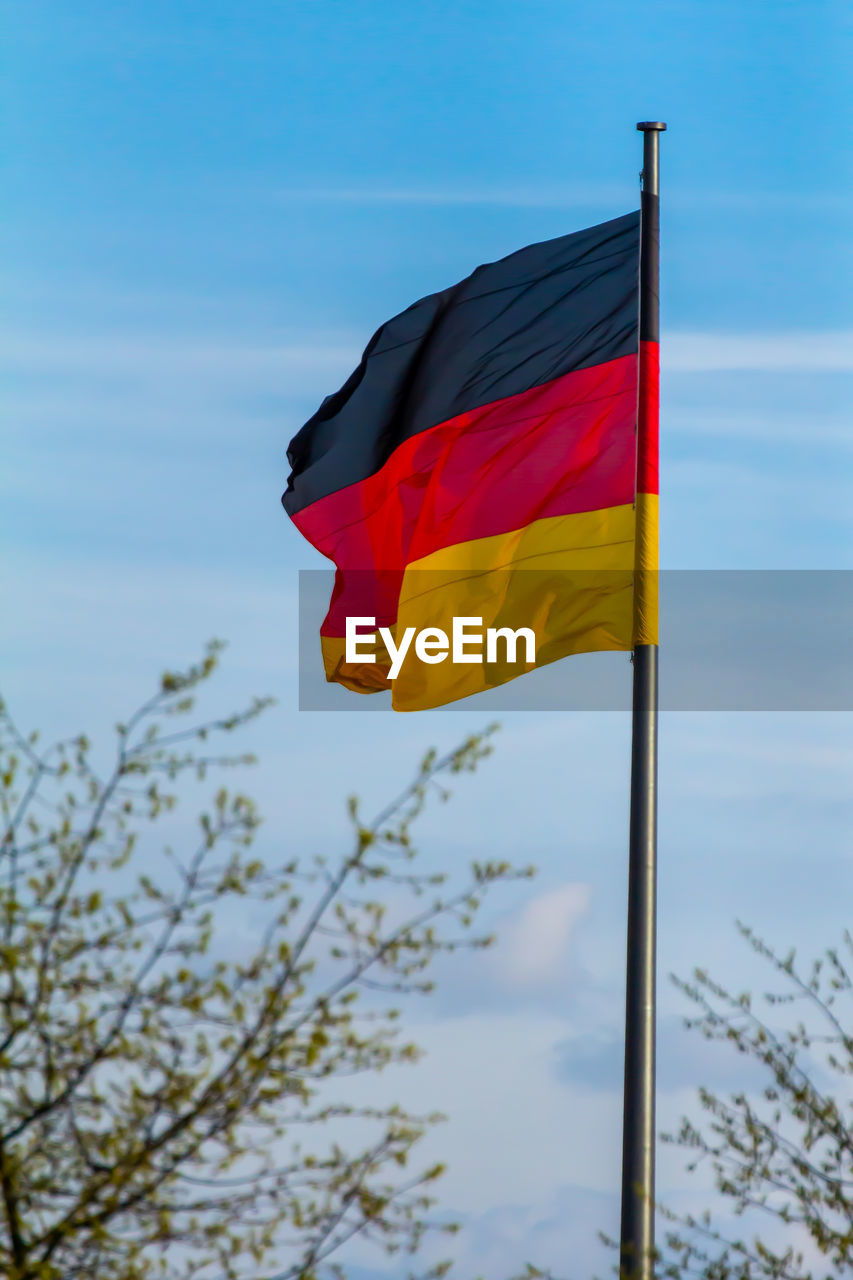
(650, 126)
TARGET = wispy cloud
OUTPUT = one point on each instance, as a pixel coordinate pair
(536, 943)
(772, 426)
(526, 195)
(807, 352)
(522, 196)
(230, 356)
(220, 356)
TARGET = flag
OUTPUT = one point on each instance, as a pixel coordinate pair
(482, 462)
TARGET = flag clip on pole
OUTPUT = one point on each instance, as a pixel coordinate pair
(637, 1237)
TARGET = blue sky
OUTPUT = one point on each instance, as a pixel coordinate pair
(208, 210)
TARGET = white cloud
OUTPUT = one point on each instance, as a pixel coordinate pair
(493, 1076)
(514, 196)
(221, 356)
(563, 196)
(228, 357)
(696, 425)
(536, 943)
(808, 352)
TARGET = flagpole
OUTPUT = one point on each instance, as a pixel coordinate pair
(637, 1239)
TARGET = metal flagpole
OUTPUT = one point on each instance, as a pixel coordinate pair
(637, 1238)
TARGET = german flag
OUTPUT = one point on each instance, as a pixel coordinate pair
(482, 462)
